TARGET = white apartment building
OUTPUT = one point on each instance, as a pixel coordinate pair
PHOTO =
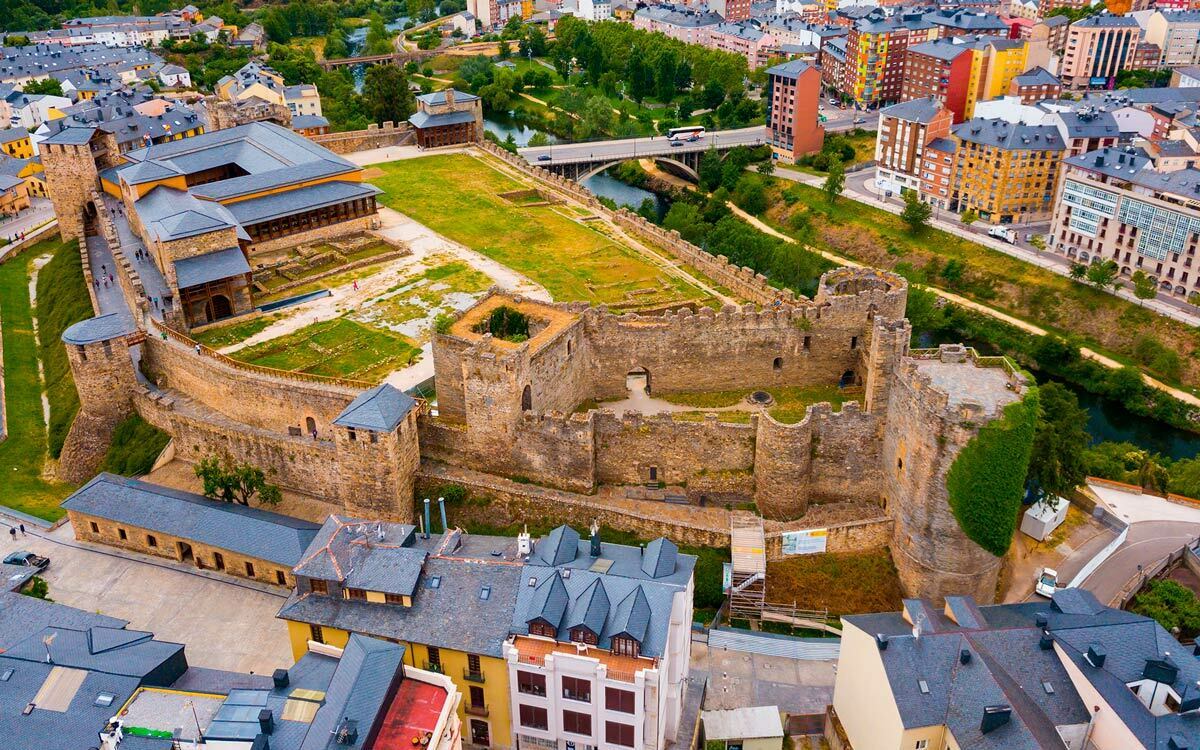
(594, 10)
(1117, 204)
(1177, 34)
(600, 660)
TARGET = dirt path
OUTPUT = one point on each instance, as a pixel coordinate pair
(1109, 362)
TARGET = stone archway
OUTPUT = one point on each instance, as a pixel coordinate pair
(219, 307)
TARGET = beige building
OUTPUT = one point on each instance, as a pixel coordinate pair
(1067, 674)
(750, 728)
(1119, 204)
(1098, 48)
(256, 81)
(1177, 34)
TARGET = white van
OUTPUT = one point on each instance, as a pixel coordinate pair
(1003, 233)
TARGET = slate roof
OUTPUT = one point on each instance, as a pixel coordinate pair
(305, 122)
(131, 653)
(1037, 77)
(8, 182)
(381, 409)
(1008, 663)
(1004, 135)
(358, 691)
(679, 15)
(8, 135)
(941, 49)
(22, 615)
(422, 119)
(914, 110)
(276, 205)
(439, 97)
(970, 20)
(169, 214)
(249, 531)
(1089, 124)
(1105, 20)
(359, 554)
(37, 60)
(71, 136)
(99, 328)
(201, 269)
(791, 70)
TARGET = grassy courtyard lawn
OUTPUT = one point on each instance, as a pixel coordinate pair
(881, 239)
(458, 196)
(62, 300)
(23, 452)
(235, 332)
(844, 583)
(337, 348)
(789, 407)
(410, 307)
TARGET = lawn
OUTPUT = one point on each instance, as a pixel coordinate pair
(232, 334)
(336, 348)
(458, 196)
(878, 238)
(62, 300)
(844, 583)
(410, 307)
(23, 453)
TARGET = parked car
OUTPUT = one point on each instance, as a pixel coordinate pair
(859, 120)
(833, 102)
(25, 557)
(1047, 583)
(676, 143)
(1003, 233)
(545, 157)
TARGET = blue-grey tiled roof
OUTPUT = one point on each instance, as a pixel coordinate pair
(439, 97)
(381, 409)
(312, 197)
(632, 616)
(421, 119)
(71, 136)
(201, 269)
(1008, 136)
(549, 601)
(589, 609)
(790, 70)
(249, 531)
(9, 135)
(21, 616)
(914, 110)
(130, 653)
(560, 546)
(99, 328)
(304, 122)
(1039, 76)
(169, 214)
(359, 691)
(373, 556)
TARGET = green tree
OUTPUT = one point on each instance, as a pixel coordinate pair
(1171, 605)
(504, 51)
(596, 118)
(1078, 271)
(335, 44)
(539, 139)
(1103, 275)
(1194, 299)
(834, 182)
(969, 217)
(710, 170)
(379, 40)
(639, 78)
(1151, 474)
(713, 94)
(1060, 440)
(664, 75)
(916, 212)
(750, 195)
(533, 42)
(687, 219)
(225, 479)
(386, 95)
(766, 168)
(44, 86)
(1144, 287)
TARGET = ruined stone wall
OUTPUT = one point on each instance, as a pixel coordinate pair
(924, 434)
(375, 136)
(105, 380)
(320, 234)
(852, 536)
(708, 456)
(245, 395)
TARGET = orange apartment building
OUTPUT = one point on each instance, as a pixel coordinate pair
(793, 124)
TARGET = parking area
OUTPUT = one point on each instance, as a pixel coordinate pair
(225, 624)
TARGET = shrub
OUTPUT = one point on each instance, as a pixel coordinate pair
(135, 445)
(38, 589)
(1171, 605)
(506, 323)
(987, 480)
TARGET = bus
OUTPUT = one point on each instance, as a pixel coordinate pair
(690, 133)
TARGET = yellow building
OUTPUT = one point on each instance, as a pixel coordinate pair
(1005, 60)
(28, 170)
(1007, 173)
(383, 580)
(15, 142)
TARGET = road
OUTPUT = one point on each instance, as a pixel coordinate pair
(839, 119)
(632, 148)
(39, 212)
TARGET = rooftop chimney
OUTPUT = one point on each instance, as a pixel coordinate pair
(260, 743)
(450, 97)
(524, 543)
(280, 678)
(428, 526)
(994, 717)
(1096, 655)
(964, 656)
(266, 722)
(1178, 742)
(442, 511)
(1045, 643)
(881, 641)
(1041, 619)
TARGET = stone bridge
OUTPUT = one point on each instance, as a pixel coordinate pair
(391, 58)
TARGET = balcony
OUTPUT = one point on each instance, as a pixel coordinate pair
(433, 666)
(476, 709)
(473, 676)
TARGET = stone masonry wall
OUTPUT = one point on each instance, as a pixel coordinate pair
(375, 136)
(137, 539)
(71, 176)
(104, 378)
(340, 229)
(257, 400)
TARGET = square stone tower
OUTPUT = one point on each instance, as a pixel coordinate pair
(377, 454)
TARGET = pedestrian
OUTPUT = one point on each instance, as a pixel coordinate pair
(110, 278)
(13, 534)
(356, 285)
(197, 349)
(23, 530)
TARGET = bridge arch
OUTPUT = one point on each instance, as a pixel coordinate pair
(597, 169)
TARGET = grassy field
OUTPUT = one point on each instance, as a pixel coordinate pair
(231, 334)
(62, 300)
(790, 405)
(410, 307)
(23, 453)
(878, 238)
(458, 196)
(843, 583)
(337, 348)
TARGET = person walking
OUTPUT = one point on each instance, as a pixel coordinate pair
(23, 530)
(197, 349)
(13, 534)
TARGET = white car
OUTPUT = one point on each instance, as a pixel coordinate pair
(1047, 583)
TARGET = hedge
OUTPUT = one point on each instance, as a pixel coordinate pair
(987, 480)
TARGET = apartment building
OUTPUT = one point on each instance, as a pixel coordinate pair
(960, 21)
(1034, 86)
(1177, 35)
(1097, 49)
(731, 10)
(257, 81)
(555, 642)
(875, 54)
(676, 21)
(939, 173)
(905, 129)
(1117, 204)
(1007, 172)
(1068, 673)
(961, 70)
(741, 38)
(793, 102)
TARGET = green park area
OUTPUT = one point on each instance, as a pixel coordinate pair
(459, 196)
(338, 348)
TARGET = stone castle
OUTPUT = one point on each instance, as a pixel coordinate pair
(513, 410)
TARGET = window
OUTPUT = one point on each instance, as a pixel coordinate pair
(577, 689)
(280, 578)
(583, 635)
(95, 528)
(808, 343)
(434, 582)
(531, 683)
(625, 646)
(356, 594)
(151, 541)
(318, 586)
(315, 634)
(577, 723)
(542, 628)
(618, 734)
(485, 593)
(249, 570)
(435, 657)
(473, 665)
(122, 535)
(619, 700)
(353, 434)
(854, 342)
(393, 599)
(777, 364)
(533, 717)
(922, 744)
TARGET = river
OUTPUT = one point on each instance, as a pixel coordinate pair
(503, 124)
(355, 41)
(623, 194)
